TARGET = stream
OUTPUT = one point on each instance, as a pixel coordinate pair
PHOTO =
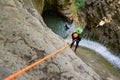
(58, 25)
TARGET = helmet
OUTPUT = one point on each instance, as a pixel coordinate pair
(79, 31)
(75, 35)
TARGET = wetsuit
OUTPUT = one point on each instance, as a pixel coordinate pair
(77, 40)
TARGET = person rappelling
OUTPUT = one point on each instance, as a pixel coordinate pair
(76, 37)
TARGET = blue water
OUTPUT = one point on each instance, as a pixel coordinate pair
(56, 23)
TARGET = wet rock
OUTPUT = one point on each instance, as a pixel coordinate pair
(106, 11)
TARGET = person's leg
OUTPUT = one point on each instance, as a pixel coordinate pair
(72, 43)
(77, 43)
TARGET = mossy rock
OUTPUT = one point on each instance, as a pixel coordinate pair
(39, 5)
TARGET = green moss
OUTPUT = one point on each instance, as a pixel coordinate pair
(80, 4)
(39, 5)
(50, 2)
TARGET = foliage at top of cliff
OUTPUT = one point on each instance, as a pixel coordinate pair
(80, 3)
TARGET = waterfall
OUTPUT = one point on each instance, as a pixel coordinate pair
(101, 50)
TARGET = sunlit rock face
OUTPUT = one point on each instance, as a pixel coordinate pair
(65, 7)
(68, 9)
(103, 22)
(38, 4)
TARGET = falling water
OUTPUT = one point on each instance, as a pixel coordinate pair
(101, 50)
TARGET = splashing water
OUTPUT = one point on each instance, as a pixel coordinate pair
(101, 50)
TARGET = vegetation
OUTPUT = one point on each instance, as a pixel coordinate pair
(80, 4)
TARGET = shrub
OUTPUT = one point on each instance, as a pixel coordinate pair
(80, 4)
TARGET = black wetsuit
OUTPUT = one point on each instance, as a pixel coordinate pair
(77, 40)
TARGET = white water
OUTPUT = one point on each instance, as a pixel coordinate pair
(101, 50)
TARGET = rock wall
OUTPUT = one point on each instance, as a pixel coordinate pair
(103, 17)
(25, 38)
(39, 5)
(65, 8)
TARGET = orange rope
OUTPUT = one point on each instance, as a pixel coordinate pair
(14, 75)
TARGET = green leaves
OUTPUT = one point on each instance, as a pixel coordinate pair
(80, 3)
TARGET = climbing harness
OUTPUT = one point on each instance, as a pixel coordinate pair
(14, 75)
